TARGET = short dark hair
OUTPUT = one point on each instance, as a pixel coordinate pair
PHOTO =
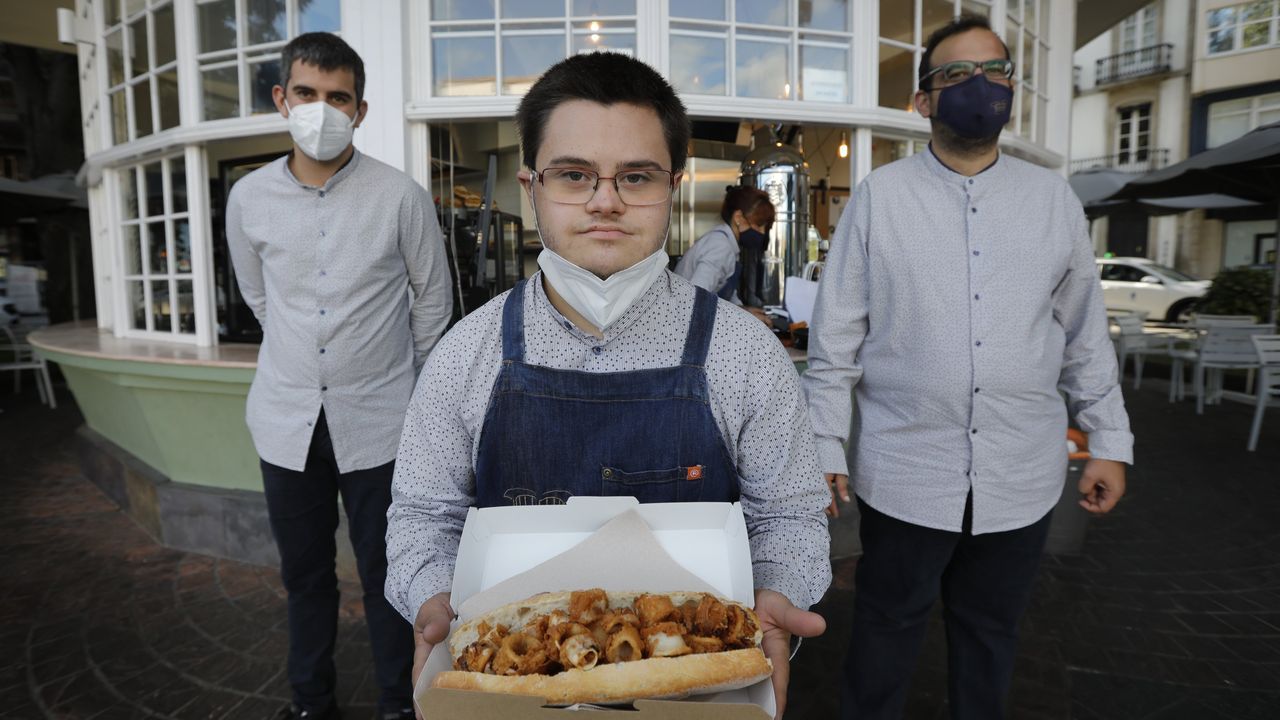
(963, 23)
(606, 78)
(325, 51)
(743, 198)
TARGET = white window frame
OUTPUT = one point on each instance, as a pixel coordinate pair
(129, 85)
(1031, 75)
(1256, 108)
(1130, 128)
(1236, 25)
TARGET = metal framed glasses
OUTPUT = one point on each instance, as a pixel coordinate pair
(576, 186)
(960, 70)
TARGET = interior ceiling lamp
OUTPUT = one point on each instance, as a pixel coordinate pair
(844, 145)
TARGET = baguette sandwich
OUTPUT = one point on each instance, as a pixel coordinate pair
(590, 646)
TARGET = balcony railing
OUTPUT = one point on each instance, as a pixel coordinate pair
(1135, 161)
(1133, 64)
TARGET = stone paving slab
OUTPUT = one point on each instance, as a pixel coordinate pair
(1172, 611)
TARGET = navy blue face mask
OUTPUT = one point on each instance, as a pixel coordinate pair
(976, 108)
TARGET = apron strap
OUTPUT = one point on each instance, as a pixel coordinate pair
(513, 324)
(697, 342)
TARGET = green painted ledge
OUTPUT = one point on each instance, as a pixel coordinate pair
(184, 420)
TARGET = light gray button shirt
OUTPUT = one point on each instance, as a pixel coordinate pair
(711, 260)
(959, 307)
(326, 271)
(755, 398)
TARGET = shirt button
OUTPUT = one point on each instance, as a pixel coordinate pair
(323, 273)
(324, 388)
(973, 431)
(978, 344)
(321, 233)
(321, 351)
(975, 296)
(970, 181)
(322, 312)
(976, 253)
(976, 389)
(597, 349)
(973, 209)
(321, 193)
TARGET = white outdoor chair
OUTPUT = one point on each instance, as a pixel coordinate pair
(20, 356)
(1268, 347)
(1132, 341)
(1224, 347)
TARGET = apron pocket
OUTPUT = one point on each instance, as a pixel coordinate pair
(677, 484)
(618, 476)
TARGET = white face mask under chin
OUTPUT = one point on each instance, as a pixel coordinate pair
(600, 302)
(320, 130)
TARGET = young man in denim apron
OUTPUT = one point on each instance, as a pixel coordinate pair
(605, 374)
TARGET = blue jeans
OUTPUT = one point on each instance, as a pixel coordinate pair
(303, 509)
(985, 582)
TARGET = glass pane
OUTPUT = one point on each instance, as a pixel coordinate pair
(160, 306)
(461, 9)
(1029, 16)
(154, 179)
(119, 117)
(112, 13)
(1028, 103)
(178, 183)
(142, 122)
(623, 42)
(897, 77)
(129, 194)
(319, 16)
(583, 8)
(221, 90)
(710, 10)
(935, 14)
(1229, 106)
(1222, 40)
(115, 57)
(463, 65)
(262, 77)
(182, 246)
(1260, 10)
(186, 308)
(137, 305)
(763, 70)
(525, 57)
(1256, 34)
(763, 12)
(162, 26)
(830, 15)
(1028, 59)
(824, 74)
(1222, 16)
(132, 250)
(532, 8)
(897, 20)
(265, 21)
(886, 150)
(1266, 117)
(167, 93)
(974, 7)
(1225, 129)
(133, 6)
(157, 249)
(217, 27)
(139, 61)
(697, 64)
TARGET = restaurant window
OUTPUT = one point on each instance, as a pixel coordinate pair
(1246, 26)
(500, 47)
(1133, 134)
(903, 34)
(1026, 30)
(1229, 119)
(238, 45)
(1138, 30)
(142, 68)
(771, 49)
(155, 253)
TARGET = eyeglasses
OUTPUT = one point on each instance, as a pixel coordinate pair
(961, 70)
(576, 186)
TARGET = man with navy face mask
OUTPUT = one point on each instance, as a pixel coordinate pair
(960, 301)
(328, 246)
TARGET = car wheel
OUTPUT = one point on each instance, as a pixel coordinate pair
(1181, 311)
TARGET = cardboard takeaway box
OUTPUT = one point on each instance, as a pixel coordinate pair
(503, 558)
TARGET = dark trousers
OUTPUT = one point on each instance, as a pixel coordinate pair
(985, 583)
(303, 509)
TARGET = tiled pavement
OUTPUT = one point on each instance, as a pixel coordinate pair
(1172, 611)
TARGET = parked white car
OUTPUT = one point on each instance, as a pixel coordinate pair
(1138, 284)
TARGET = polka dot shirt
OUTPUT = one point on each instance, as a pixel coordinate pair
(755, 398)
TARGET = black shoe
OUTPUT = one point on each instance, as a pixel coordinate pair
(294, 712)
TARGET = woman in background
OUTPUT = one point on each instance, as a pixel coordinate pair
(753, 242)
(713, 261)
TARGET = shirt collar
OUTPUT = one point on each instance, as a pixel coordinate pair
(940, 169)
(660, 287)
(343, 172)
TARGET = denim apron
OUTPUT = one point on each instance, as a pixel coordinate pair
(551, 434)
(730, 286)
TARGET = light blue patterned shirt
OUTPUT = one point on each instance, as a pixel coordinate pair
(962, 309)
